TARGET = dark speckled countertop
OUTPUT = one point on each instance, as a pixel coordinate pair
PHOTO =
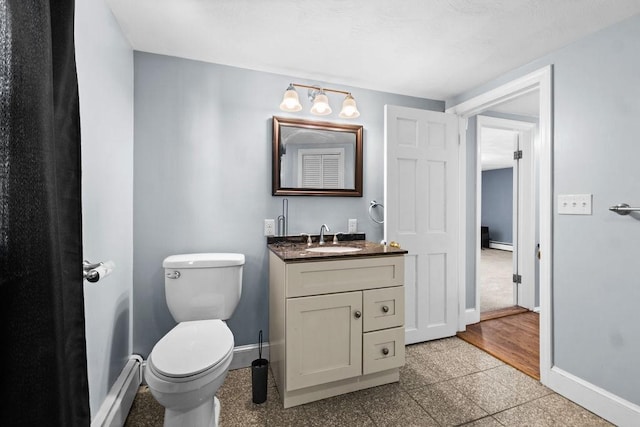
(296, 251)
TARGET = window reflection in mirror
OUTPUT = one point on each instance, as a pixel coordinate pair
(316, 158)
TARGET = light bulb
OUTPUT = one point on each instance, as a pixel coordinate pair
(349, 108)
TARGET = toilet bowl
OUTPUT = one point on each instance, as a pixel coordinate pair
(186, 368)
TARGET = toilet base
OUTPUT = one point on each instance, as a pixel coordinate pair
(205, 415)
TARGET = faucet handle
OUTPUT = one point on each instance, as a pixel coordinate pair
(308, 236)
(335, 237)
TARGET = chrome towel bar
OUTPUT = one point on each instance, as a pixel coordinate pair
(623, 209)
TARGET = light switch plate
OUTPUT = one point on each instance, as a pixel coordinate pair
(574, 204)
(353, 225)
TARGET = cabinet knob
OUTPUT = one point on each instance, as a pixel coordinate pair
(385, 351)
(385, 308)
(357, 314)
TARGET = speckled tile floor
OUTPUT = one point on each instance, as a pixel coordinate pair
(444, 383)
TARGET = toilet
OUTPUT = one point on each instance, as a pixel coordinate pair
(188, 365)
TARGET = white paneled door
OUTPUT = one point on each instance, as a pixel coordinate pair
(421, 214)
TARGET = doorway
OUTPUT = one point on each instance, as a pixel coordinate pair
(540, 81)
(505, 213)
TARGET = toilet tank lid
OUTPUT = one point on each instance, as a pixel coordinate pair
(204, 260)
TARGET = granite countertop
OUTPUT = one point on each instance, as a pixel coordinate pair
(294, 251)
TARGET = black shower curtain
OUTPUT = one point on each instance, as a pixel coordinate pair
(44, 368)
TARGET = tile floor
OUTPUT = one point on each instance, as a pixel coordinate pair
(444, 383)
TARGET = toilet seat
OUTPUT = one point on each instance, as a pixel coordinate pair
(191, 350)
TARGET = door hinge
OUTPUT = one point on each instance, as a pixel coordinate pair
(517, 155)
(517, 278)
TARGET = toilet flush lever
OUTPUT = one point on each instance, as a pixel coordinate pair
(173, 275)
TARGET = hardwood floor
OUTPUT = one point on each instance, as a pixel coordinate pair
(514, 339)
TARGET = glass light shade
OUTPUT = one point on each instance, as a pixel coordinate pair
(321, 105)
(290, 101)
(349, 108)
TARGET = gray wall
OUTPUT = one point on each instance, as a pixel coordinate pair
(202, 178)
(596, 321)
(105, 80)
(497, 204)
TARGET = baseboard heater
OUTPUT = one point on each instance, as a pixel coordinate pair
(115, 407)
(500, 245)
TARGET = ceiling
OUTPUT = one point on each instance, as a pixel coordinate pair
(497, 148)
(432, 49)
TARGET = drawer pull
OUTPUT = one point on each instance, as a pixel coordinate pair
(385, 308)
(385, 351)
(357, 314)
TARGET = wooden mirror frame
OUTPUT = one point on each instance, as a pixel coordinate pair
(357, 130)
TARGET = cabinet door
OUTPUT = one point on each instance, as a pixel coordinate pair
(323, 339)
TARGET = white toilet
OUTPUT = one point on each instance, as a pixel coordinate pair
(188, 365)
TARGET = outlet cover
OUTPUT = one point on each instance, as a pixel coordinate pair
(353, 225)
(269, 227)
(574, 204)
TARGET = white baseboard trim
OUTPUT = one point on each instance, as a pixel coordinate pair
(472, 316)
(501, 246)
(116, 406)
(536, 309)
(597, 400)
(243, 355)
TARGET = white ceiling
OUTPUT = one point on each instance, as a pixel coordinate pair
(426, 48)
(497, 148)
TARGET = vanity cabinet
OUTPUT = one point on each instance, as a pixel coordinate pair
(335, 326)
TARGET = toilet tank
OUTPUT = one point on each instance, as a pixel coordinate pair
(203, 286)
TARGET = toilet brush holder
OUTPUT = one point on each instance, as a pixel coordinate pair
(259, 375)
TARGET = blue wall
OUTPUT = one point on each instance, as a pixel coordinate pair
(105, 81)
(595, 291)
(497, 204)
(202, 178)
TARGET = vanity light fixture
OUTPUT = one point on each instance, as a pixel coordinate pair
(290, 101)
(320, 102)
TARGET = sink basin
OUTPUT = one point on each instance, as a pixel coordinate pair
(334, 249)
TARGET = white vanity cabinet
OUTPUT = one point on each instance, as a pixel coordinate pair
(335, 325)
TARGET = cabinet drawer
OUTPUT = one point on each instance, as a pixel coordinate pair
(376, 344)
(327, 277)
(383, 308)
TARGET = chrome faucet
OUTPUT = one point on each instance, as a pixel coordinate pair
(323, 228)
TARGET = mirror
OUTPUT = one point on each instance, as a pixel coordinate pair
(316, 158)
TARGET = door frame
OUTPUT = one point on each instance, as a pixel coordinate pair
(526, 227)
(541, 80)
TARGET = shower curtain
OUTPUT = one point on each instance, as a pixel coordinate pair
(44, 368)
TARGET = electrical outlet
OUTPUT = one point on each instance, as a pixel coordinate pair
(353, 225)
(269, 227)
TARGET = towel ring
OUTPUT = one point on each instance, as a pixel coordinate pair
(372, 205)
